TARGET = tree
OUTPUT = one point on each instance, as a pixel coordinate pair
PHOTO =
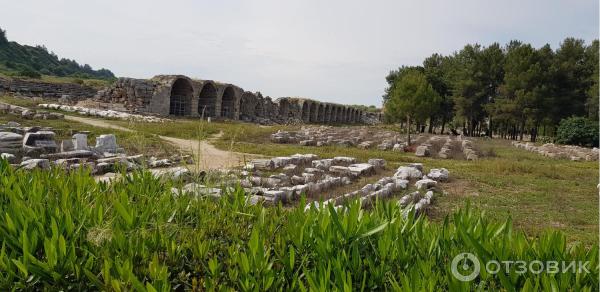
(395, 75)
(410, 98)
(437, 69)
(3, 39)
(591, 59)
(572, 80)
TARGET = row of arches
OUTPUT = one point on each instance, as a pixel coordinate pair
(323, 113)
(208, 99)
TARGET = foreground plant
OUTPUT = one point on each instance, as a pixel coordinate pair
(64, 231)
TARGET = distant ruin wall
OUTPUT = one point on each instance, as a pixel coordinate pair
(46, 89)
(179, 95)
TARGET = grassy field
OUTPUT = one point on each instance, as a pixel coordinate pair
(537, 192)
(65, 231)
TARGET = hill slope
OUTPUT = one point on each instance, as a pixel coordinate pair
(24, 60)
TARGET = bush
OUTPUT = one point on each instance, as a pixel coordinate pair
(63, 230)
(27, 72)
(577, 131)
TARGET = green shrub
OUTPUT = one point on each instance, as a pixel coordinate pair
(65, 231)
(27, 72)
(577, 131)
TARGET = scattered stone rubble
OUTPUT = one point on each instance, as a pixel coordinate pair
(35, 147)
(446, 147)
(27, 113)
(388, 186)
(360, 137)
(574, 153)
(103, 113)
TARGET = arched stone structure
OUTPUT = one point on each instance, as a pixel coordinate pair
(284, 108)
(207, 100)
(259, 109)
(180, 100)
(314, 112)
(321, 113)
(179, 95)
(247, 106)
(228, 103)
(333, 116)
(305, 112)
(326, 113)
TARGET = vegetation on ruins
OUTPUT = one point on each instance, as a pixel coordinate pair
(511, 90)
(33, 62)
(66, 231)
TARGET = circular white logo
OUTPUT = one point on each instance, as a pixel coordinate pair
(460, 265)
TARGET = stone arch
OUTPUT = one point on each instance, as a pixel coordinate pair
(321, 113)
(228, 103)
(259, 108)
(348, 115)
(207, 100)
(338, 115)
(334, 113)
(326, 113)
(284, 109)
(314, 112)
(305, 114)
(180, 100)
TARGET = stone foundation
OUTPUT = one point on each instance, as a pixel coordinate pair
(46, 89)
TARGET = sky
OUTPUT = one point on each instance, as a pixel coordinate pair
(329, 50)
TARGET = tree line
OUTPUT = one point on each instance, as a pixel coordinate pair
(29, 61)
(508, 91)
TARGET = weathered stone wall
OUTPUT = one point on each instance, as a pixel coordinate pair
(182, 96)
(46, 89)
(132, 93)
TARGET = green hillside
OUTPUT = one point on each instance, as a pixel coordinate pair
(29, 61)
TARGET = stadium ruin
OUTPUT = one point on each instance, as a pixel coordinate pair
(178, 95)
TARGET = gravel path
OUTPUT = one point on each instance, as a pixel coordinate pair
(208, 155)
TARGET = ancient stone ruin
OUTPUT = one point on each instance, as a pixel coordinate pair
(178, 95)
(27, 113)
(572, 152)
(36, 147)
(284, 179)
(27, 87)
(361, 137)
(446, 147)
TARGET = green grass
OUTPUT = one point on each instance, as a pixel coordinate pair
(539, 193)
(65, 231)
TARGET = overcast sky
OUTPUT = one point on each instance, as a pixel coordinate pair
(330, 50)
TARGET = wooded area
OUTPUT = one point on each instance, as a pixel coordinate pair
(509, 91)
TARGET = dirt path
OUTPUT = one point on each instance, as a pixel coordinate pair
(208, 155)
